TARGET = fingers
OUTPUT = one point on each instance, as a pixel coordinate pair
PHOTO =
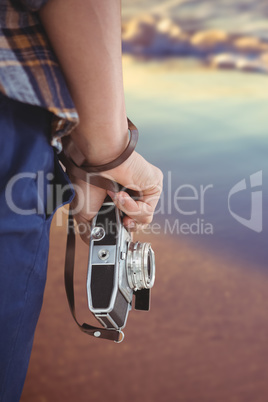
(139, 212)
(88, 199)
(133, 226)
(130, 224)
(139, 175)
(145, 178)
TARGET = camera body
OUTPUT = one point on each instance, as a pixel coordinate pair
(117, 269)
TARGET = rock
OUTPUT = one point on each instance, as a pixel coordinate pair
(140, 31)
(250, 45)
(166, 26)
(170, 38)
(224, 61)
(251, 66)
(209, 41)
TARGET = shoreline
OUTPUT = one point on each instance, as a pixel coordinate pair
(204, 339)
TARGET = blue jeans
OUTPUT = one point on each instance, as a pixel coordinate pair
(24, 232)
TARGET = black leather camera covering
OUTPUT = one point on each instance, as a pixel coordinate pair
(102, 276)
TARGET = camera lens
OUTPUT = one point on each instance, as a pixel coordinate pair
(140, 266)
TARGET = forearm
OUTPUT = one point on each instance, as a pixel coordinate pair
(86, 37)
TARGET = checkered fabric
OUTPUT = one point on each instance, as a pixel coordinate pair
(29, 71)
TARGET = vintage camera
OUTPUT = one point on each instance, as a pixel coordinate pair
(118, 269)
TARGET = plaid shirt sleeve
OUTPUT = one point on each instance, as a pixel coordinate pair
(29, 70)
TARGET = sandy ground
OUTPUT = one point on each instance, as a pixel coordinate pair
(205, 338)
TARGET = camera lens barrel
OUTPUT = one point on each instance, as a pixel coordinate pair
(140, 266)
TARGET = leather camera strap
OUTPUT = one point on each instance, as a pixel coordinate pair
(133, 139)
(89, 174)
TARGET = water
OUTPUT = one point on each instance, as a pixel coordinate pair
(204, 128)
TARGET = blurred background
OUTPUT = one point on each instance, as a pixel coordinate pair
(195, 75)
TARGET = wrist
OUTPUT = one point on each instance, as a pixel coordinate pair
(81, 168)
(105, 144)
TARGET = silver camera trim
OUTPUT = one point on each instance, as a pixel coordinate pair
(98, 260)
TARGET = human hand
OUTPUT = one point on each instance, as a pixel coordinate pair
(136, 174)
(139, 175)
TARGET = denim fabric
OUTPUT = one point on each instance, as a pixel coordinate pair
(24, 238)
